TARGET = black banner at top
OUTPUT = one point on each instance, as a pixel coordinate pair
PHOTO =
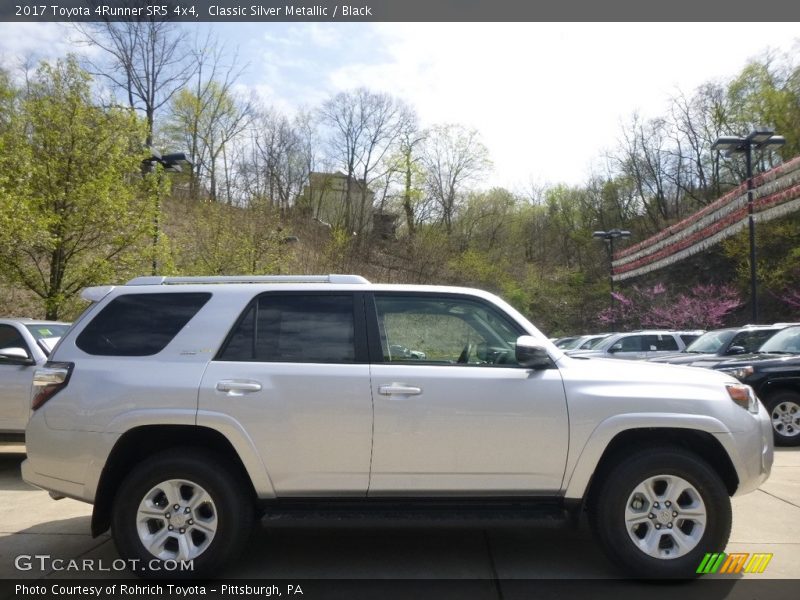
(407, 11)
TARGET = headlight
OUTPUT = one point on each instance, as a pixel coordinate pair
(744, 396)
(739, 372)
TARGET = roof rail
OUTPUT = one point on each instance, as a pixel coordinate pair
(160, 280)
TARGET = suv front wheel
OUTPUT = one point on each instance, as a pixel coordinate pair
(181, 506)
(657, 513)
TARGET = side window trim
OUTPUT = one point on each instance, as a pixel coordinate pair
(359, 322)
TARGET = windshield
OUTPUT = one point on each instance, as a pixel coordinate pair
(47, 330)
(783, 342)
(47, 334)
(711, 342)
(592, 342)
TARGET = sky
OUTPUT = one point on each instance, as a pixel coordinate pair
(548, 99)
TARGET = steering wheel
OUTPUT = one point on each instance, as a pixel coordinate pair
(468, 350)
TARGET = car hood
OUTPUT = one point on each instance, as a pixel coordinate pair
(760, 359)
(640, 371)
(680, 358)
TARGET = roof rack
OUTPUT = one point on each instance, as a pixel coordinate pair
(160, 280)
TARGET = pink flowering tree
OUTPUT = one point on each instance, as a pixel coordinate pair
(704, 306)
(792, 298)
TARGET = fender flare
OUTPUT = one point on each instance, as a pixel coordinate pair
(223, 424)
(577, 481)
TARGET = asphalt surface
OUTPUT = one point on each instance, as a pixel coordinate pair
(33, 524)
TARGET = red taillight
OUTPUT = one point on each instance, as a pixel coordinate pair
(49, 380)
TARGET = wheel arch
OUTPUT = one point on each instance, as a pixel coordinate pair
(139, 443)
(701, 443)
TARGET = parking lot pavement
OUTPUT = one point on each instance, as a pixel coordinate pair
(31, 523)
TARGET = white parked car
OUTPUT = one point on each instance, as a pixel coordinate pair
(24, 345)
(183, 407)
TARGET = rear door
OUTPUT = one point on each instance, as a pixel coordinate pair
(294, 372)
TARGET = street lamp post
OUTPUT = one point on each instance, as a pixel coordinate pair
(172, 163)
(609, 237)
(758, 138)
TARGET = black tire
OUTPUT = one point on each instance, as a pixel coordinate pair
(231, 500)
(785, 434)
(607, 511)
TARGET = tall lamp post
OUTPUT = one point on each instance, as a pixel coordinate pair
(172, 163)
(758, 138)
(609, 237)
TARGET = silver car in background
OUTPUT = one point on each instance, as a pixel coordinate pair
(24, 345)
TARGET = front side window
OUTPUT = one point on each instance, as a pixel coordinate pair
(631, 343)
(139, 324)
(751, 341)
(300, 328)
(444, 331)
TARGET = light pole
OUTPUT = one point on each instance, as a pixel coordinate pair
(609, 237)
(172, 163)
(758, 138)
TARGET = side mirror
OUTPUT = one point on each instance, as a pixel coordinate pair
(736, 350)
(615, 348)
(15, 356)
(531, 354)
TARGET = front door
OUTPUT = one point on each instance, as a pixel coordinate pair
(454, 413)
(15, 383)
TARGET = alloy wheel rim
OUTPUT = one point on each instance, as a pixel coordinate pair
(665, 517)
(786, 418)
(176, 520)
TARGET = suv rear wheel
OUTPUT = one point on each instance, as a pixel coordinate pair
(657, 513)
(181, 505)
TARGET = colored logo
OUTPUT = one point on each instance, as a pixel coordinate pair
(736, 562)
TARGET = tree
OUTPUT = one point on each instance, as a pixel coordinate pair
(452, 157)
(704, 306)
(212, 121)
(363, 127)
(70, 215)
(149, 60)
(279, 165)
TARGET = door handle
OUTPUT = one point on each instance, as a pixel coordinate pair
(399, 389)
(237, 387)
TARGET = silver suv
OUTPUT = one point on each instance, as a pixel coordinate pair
(184, 407)
(640, 345)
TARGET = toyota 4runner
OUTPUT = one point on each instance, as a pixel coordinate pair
(183, 407)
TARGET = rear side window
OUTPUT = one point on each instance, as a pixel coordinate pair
(139, 324)
(661, 343)
(300, 328)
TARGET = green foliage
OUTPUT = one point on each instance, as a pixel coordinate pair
(71, 208)
(210, 238)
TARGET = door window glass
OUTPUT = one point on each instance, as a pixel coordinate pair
(661, 343)
(303, 328)
(444, 331)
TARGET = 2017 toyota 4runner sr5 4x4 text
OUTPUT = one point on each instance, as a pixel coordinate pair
(184, 407)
